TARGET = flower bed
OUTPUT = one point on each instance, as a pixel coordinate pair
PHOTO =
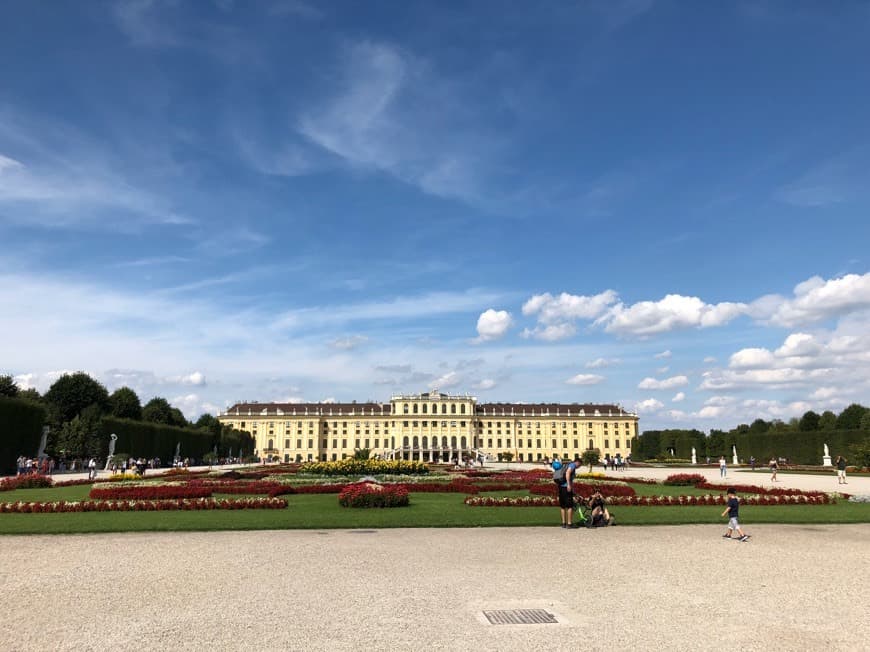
(751, 489)
(179, 504)
(25, 482)
(684, 479)
(351, 466)
(152, 492)
(657, 501)
(364, 494)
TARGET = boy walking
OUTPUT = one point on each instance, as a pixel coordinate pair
(732, 510)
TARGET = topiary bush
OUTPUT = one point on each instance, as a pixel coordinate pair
(684, 479)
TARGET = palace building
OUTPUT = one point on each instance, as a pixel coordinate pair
(433, 427)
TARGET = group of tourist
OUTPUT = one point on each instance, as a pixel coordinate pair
(35, 465)
(617, 463)
(564, 475)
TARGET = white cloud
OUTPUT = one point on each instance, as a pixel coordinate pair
(551, 333)
(663, 370)
(600, 363)
(485, 384)
(493, 324)
(664, 354)
(815, 300)
(751, 359)
(450, 379)
(679, 396)
(648, 405)
(196, 378)
(673, 312)
(585, 379)
(666, 383)
(709, 359)
(568, 307)
(192, 406)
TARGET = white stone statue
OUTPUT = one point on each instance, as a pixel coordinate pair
(112, 439)
(43, 442)
(694, 458)
(734, 455)
(826, 460)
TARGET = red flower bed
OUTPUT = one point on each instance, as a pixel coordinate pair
(183, 504)
(154, 492)
(684, 479)
(654, 501)
(750, 489)
(25, 482)
(362, 494)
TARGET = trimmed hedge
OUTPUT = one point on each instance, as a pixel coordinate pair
(144, 439)
(21, 424)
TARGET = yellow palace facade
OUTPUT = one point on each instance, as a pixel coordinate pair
(433, 427)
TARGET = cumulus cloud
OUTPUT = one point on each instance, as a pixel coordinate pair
(196, 378)
(550, 333)
(666, 383)
(493, 324)
(709, 359)
(450, 379)
(664, 354)
(568, 307)
(648, 405)
(485, 384)
(663, 370)
(673, 312)
(815, 300)
(679, 396)
(585, 379)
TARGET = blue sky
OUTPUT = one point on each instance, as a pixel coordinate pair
(654, 203)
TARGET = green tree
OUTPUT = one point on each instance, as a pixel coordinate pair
(125, 404)
(72, 393)
(8, 387)
(809, 421)
(591, 456)
(79, 436)
(861, 453)
(865, 422)
(850, 418)
(30, 395)
(178, 418)
(157, 410)
(828, 421)
(362, 454)
(759, 425)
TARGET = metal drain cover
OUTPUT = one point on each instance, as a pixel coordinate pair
(520, 617)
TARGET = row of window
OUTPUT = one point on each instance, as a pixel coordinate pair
(425, 408)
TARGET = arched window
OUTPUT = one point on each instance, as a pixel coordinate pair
(405, 408)
(415, 408)
(404, 441)
(462, 409)
(425, 409)
(453, 442)
(271, 444)
(444, 408)
(416, 442)
(462, 442)
(453, 408)
(591, 444)
(444, 441)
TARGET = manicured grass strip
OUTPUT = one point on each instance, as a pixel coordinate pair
(425, 510)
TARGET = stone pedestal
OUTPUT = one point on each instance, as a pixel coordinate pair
(826, 461)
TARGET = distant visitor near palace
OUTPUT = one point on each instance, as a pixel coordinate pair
(434, 427)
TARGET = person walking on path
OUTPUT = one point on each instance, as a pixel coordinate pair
(774, 465)
(723, 467)
(841, 470)
(732, 511)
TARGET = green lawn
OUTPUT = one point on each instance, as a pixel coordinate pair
(426, 510)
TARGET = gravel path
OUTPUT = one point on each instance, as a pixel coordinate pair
(653, 588)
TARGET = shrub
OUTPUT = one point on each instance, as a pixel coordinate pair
(684, 479)
(25, 482)
(364, 494)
